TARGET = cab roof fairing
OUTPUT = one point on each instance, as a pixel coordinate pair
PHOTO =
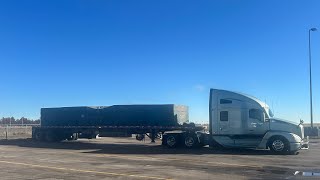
(254, 99)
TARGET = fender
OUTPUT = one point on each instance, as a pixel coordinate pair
(291, 137)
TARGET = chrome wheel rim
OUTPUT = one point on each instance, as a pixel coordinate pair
(278, 145)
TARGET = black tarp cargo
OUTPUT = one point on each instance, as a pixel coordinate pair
(117, 115)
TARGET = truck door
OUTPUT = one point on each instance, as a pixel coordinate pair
(256, 128)
(256, 124)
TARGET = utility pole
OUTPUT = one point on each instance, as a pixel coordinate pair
(310, 76)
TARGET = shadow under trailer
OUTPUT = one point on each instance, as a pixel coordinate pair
(236, 120)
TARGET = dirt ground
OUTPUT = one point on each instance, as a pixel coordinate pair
(126, 158)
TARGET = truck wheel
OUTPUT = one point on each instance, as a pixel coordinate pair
(140, 137)
(190, 141)
(293, 153)
(278, 145)
(39, 136)
(171, 141)
(51, 137)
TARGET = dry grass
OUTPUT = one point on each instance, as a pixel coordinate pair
(14, 132)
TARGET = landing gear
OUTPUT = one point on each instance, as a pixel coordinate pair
(73, 137)
(153, 136)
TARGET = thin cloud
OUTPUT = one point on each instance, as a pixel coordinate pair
(199, 87)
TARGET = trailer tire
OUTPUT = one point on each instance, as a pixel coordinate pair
(140, 137)
(171, 141)
(51, 136)
(279, 145)
(39, 136)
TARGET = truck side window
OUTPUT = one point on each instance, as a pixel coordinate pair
(223, 115)
(255, 114)
(225, 101)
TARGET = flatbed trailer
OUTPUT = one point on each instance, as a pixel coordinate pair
(87, 122)
(59, 133)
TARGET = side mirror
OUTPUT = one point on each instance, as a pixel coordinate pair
(265, 119)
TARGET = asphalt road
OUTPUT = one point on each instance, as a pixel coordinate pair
(126, 158)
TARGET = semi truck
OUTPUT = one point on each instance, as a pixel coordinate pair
(236, 120)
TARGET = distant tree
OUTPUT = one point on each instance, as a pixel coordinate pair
(22, 120)
(36, 121)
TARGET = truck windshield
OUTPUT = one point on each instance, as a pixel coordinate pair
(270, 113)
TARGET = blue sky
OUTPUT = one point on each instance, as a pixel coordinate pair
(71, 53)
